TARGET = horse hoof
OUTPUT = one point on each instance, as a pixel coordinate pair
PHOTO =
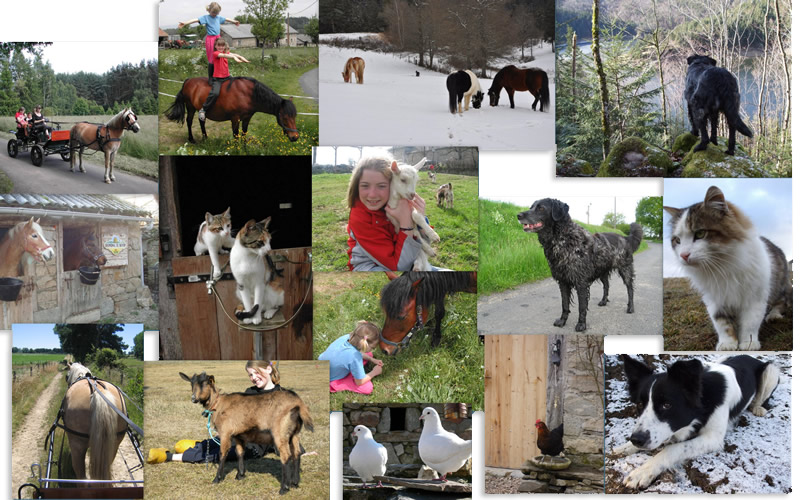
(83, 170)
(107, 181)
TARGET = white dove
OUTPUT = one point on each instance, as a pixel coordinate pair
(368, 457)
(441, 450)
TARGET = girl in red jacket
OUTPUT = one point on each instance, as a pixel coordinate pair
(373, 244)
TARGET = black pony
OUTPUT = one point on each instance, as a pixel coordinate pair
(463, 85)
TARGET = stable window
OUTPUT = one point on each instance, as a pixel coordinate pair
(82, 247)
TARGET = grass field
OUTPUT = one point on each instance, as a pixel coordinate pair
(687, 326)
(452, 372)
(138, 153)
(25, 393)
(170, 416)
(280, 71)
(457, 227)
(19, 359)
(509, 255)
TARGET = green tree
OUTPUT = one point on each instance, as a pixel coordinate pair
(650, 214)
(81, 340)
(106, 358)
(138, 346)
(267, 16)
(613, 220)
(312, 29)
(9, 104)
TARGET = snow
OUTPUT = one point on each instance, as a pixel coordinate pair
(393, 107)
(761, 448)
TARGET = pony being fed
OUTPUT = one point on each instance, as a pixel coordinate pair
(239, 99)
(354, 65)
(511, 78)
(101, 137)
(463, 85)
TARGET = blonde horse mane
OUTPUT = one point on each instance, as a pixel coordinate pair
(76, 371)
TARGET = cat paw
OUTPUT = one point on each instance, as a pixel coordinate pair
(269, 313)
(727, 345)
(759, 411)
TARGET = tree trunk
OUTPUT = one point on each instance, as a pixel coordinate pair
(788, 79)
(657, 44)
(601, 76)
(760, 139)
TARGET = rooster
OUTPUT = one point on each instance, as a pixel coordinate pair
(550, 442)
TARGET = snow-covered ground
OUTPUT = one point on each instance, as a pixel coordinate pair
(394, 107)
(757, 454)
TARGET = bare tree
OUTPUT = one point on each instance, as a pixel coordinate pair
(601, 76)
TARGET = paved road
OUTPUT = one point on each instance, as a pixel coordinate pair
(54, 177)
(533, 308)
(309, 82)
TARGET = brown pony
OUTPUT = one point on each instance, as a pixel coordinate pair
(512, 78)
(406, 299)
(83, 250)
(239, 99)
(25, 237)
(354, 65)
(106, 138)
(91, 423)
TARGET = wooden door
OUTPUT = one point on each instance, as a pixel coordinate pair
(20, 310)
(516, 395)
(78, 297)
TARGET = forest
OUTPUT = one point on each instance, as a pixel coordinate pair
(27, 80)
(469, 33)
(630, 90)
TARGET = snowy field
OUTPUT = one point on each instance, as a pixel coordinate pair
(756, 457)
(395, 107)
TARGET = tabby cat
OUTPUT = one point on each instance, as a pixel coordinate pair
(213, 237)
(743, 278)
(256, 286)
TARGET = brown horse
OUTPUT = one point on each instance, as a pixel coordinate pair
(83, 250)
(25, 237)
(91, 423)
(406, 299)
(354, 65)
(511, 78)
(101, 137)
(239, 99)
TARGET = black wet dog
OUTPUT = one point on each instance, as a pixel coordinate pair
(709, 91)
(578, 258)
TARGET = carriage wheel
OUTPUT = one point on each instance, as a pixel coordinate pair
(37, 155)
(65, 155)
(13, 148)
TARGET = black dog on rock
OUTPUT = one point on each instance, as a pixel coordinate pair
(577, 258)
(709, 91)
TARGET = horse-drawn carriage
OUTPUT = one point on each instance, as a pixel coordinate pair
(40, 145)
(89, 422)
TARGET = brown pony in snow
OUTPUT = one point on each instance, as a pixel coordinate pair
(354, 65)
(511, 78)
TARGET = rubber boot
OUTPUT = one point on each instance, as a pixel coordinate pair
(157, 455)
(184, 444)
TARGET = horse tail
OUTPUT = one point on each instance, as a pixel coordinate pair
(177, 109)
(544, 92)
(102, 437)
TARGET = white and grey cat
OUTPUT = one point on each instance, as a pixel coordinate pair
(404, 186)
(256, 287)
(743, 278)
(213, 237)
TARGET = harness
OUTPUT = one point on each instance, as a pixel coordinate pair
(286, 129)
(102, 140)
(407, 339)
(93, 383)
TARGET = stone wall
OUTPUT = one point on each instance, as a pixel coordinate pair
(583, 397)
(123, 292)
(400, 444)
(150, 245)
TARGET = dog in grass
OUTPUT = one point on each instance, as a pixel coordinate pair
(577, 258)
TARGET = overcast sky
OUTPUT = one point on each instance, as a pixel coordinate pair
(346, 153)
(767, 202)
(94, 57)
(172, 12)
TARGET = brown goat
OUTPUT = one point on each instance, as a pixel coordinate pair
(274, 417)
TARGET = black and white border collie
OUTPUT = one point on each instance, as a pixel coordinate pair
(688, 408)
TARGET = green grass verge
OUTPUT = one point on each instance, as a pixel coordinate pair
(509, 255)
(280, 70)
(687, 326)
(25, 392)
(6, 185)
(452, 372)
(457, 227)
(19, 359)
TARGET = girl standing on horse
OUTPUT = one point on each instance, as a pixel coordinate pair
(349, 354)
(221, 55)
(373, 244)
(212, 22)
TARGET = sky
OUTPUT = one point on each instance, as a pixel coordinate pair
(344, 154)
(94, 57)
(171, 12)
(766, 202)
(42, 335)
